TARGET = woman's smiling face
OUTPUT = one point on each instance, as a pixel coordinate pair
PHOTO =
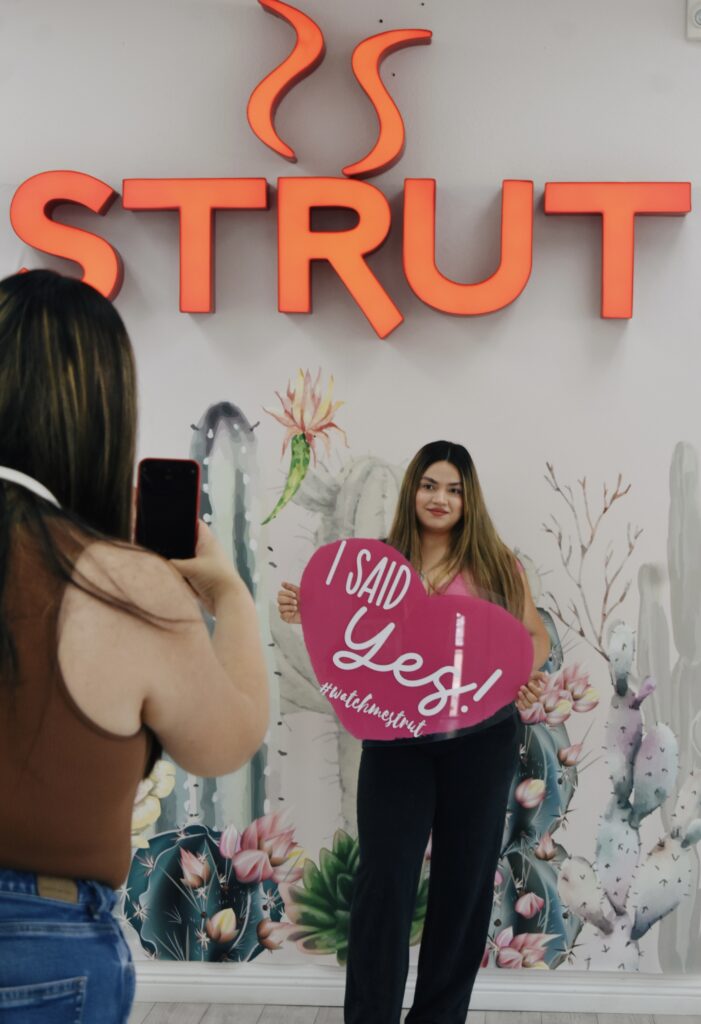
(439, 498)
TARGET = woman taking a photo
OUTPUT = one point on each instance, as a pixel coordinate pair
(103, 653)
(453, 785)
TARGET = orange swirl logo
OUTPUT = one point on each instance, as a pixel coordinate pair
(307, 54)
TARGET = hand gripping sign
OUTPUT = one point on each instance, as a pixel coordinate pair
(395, 663)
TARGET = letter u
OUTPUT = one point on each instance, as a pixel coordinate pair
(497, 291)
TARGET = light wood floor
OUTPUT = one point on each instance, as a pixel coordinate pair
(203, 1013)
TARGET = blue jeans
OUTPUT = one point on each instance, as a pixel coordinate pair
(61, 963)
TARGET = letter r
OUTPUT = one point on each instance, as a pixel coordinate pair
(299, 246)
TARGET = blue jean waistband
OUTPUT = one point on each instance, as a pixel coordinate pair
(99, 898)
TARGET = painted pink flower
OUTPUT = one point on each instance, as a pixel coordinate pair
(524, 950)
(305, 411)
(485, 958)
(551, 699)
(587, 702)
(529, 904)
(195, 869)
(647, 687)
(272, 934)
(530, 793)
(509, 957)
(252, 867)
(498, 877)
(229, 843)
(569, 756)
(532, 947)
(221, 927)
(575, 680)
(505, 955)
(560, 712)
(533, 715)
(545, 850)
(265, 848)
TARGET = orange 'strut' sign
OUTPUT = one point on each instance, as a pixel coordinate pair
(196, 199)
(618, 203)
(30, 215)
(366, 60)
(299, 245)
(497, 291)
(307, 54)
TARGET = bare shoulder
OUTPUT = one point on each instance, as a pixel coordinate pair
(110, 659)
(137, 577)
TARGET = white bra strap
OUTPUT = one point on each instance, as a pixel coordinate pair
(14, 476)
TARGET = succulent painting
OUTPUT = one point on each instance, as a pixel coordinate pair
(318, 907)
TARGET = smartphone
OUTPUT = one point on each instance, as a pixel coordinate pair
(167, 506)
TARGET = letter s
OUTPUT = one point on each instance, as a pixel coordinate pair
(30, 214)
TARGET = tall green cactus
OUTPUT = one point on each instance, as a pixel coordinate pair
(225, 445)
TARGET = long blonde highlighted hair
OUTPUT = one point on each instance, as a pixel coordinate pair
(475, 545)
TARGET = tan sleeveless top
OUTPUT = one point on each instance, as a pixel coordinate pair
(68, 785)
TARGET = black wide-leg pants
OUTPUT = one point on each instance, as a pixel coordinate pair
(459, 788)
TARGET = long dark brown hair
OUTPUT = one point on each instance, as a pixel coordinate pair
(475, 545)
(68, 419)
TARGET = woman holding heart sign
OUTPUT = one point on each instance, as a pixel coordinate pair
(454, 785)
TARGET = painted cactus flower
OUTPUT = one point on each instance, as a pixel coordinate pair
(574, 680)
(195, 869)
(307, 416)
(545, 848)
(530, 793)
(264, 850)
(147, 803)
(524, 950)
(529, 905)
(587, 702)
(222, 926)
(569, 756)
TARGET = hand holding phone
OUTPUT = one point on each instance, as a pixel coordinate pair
(211, 573)
(167, 506)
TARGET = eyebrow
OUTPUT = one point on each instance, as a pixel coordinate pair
(455, 483)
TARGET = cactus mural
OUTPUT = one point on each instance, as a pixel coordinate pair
(677, 699)
(225, 446)
(319, 907)
(200, 894)
(188, 811)
(358, 501)
(527, 907)
(625, 892)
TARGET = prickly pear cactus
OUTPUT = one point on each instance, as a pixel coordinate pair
(624, 893)
(185, 903)
(525, 867)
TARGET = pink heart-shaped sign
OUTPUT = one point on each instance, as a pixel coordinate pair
(395, 663)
